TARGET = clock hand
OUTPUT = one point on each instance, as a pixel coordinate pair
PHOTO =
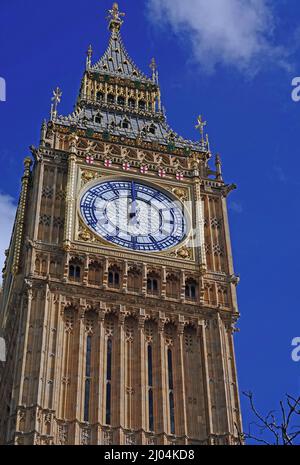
(133, 203)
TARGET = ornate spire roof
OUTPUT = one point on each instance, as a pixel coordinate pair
(116, 98)
(116, 61)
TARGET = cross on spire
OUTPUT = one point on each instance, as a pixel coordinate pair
(115, 21)
(201, 125)
(56, 99)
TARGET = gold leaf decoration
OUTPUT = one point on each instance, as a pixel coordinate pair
(184, 253)
(181, 193)
(87, 176)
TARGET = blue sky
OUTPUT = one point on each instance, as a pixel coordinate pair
(234, 65)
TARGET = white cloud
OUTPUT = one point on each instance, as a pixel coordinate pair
(232, 32)
(7, 216)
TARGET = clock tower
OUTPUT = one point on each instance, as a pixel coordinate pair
(119, 295)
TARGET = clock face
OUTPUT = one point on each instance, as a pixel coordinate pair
(133, 215)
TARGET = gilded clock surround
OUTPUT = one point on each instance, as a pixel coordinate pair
(67, 293)
(163, 188)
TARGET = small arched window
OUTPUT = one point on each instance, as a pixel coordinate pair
(98, 118)
(108, 381)
(131, 103)
(191, 290)
(75, 271)
(114, 278)
(125, 123)
(142, 105)
(152, 285)
(99, 96)
(111, 98)
(150, 388)
(172, 286)
(121, 100)
(152, 128)
(134, 281)
(171, 392)
(95, 274)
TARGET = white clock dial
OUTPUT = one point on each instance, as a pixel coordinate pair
(134, 215)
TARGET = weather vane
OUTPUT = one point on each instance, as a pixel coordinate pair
(115, 17)
(56, 99)
(201, 125)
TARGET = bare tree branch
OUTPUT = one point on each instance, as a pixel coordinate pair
(284, 431)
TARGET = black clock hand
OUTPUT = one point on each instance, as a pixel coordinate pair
(133, 203)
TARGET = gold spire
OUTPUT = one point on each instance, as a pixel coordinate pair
(115, 21)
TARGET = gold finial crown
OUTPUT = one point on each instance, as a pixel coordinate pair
(115, 21)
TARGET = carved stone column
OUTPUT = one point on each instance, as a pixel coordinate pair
(100, 390)
(79, 380)
(162, 411)
(163, 282)
(118, 397)
(105, 273)
(140, 415)
(182, 286)
(70, 199)
(144, 282)
(199, 225)
(180, 399)
(125, 276)
(202, 329)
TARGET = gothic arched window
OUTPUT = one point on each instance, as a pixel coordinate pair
(111, 98)
(95, 274)
(131, 103)
(150, 388)
(99, 96)
(191, 289)
(114, 277)
(125, 123)
(152, 284)
(98, 118)
(75, 270)
(152, 128)
(142, 105)
(171, 392)
(108, 381)
(87, 378)
(172, 287)
(134, 282)
(121, 100)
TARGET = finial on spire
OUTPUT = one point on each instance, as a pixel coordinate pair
(201, 125)
(218, 165)
(207, 143)
(153, 67)
(57, 93)
(89, 57)
(115, 21)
